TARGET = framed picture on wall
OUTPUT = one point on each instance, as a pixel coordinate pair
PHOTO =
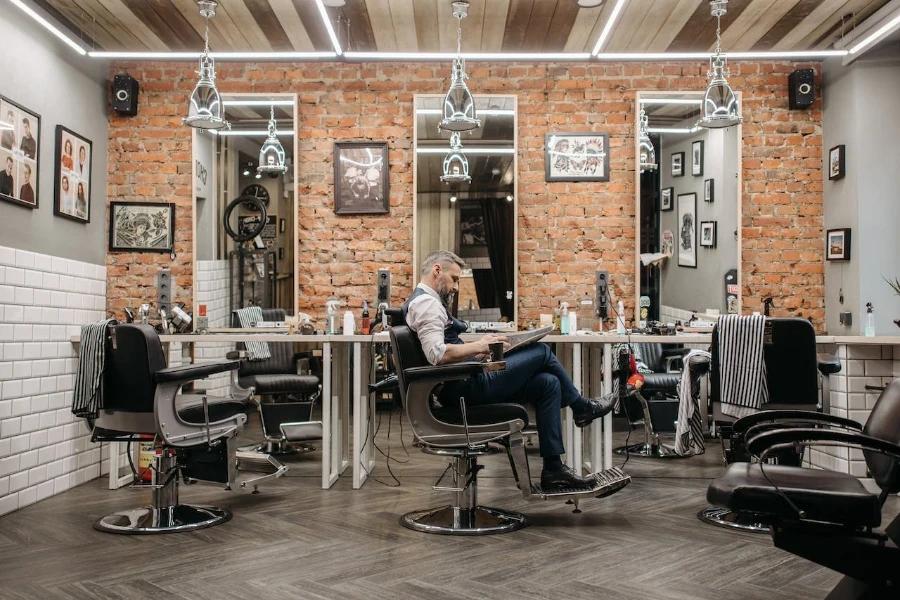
(665, 202)
(20, 134)
(708, 234)
(361, 178)
(837, 244)
(708, 190)
(677, 164)
(576, 157)
(697, 158)
(72, 194)
(687, 230)
(141, 226)
(836, 162)
(471, 228)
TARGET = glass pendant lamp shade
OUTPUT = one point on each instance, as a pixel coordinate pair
(456, 166)
(206, 110)
(459, 107)
(720, 106)
(647, 151)
(271, 154)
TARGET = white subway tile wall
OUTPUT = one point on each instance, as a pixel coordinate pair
(212, 290)
(44, 448)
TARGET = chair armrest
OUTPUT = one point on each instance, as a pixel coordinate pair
(238, 355)
(744, 424)
(187, 373)
(453, 371)
(828, 363)
(391, 382)
(810, 437)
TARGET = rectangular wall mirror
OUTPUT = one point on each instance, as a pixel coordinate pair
(688, 213)
(476, 220)
(260, 271)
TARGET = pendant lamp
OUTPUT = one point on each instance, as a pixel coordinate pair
(459, 106)
(456, 166)
(206, 110)
(720, 106)
(271, 154)
(648, 152)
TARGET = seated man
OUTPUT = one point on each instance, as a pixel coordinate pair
(533, 374)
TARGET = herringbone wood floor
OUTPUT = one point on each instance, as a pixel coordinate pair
(297, 541)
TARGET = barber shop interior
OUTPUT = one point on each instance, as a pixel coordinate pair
(355, 299)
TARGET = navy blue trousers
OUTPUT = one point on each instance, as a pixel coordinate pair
(532, 375)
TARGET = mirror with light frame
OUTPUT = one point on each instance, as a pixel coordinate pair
(476, 220)
(687, 213)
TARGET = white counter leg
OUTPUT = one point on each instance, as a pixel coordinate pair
(608, 419)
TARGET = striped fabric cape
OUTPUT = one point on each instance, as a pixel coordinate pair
(87, 400)
(689, 429)
(743, 387)
(249, 317)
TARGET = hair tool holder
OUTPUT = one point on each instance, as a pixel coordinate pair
(251, 265)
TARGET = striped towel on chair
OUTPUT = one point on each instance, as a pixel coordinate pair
(88, 395)
(742, 369)
(249, 317)
(689, 430)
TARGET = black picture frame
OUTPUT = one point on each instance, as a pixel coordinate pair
(141, 226)
(72, 183)
(709, 190)
(19, 158)
(472, 232)
(697, 158)
(666, 196)
(361, 178)
(686, 236)
(708, 234)
(836, 162)
(837, 244)
(678, 164)
(580, 156)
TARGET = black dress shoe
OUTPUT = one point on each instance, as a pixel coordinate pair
(564, 479)
(596, 408)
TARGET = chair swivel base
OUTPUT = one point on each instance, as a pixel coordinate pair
(649, 451)
(279, 448)
(449, 520)
(741, 521)
(171, 519)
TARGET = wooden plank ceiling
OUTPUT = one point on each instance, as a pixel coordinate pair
(428, 25)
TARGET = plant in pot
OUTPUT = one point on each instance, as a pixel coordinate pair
(895, 285)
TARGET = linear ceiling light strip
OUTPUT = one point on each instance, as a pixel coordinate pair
(331, 33)
(50, 27)
(620, 4)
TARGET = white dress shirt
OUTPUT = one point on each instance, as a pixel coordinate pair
(428, 318)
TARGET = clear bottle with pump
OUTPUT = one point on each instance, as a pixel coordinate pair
(870, 320)
(332, 305)
(564, 319)
(586, 308)
(366, 325)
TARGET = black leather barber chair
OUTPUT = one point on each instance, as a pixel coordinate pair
(654, 407)
(289, 389)
(827, 517)
(465, 433)
(792, 368)
(194, 434)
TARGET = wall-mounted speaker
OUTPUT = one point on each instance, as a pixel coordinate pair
(801, 88)
(125, 95)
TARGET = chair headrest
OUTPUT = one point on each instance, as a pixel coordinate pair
(884, 424)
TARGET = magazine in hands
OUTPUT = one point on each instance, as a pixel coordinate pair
(523, 338)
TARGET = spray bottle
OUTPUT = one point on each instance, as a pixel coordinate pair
(620, 317)
(870, 320)
(366, 324)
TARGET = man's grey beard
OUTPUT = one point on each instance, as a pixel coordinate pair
(446, 296)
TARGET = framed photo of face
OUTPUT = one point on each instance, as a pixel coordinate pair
(677, 164)
(697, 158)
(20, 134)
(665, 202)
(687, 232)
(361, 178)
(708, 234)
(72, 196)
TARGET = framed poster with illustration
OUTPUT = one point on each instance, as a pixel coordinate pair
(665, 202)
(837, 244)
(361, 178)
(471, 228)
(20, 134)
(677, 164)
(687, 230)
(697, 158)
(72, 194)
(708, 190)
(708, 234)
(836, 162)
(141, 226)
(576, 157)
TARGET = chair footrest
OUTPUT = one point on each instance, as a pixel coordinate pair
(606, 483)
(301, 432)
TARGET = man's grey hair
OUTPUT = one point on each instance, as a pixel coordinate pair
(443, 258)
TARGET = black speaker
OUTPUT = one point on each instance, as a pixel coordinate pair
(801, 88)
(125, 95)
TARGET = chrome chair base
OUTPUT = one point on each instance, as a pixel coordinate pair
(742, 521)
(449, 520)
(172, 519)
(649, 451)
(279, 448)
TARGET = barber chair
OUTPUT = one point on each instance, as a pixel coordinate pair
(655, 406)
(194, 434)
(289, 389)
(792, 368)
(464, 433)
(825, 516)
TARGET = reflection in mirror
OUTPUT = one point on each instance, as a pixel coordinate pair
(259, 271)
(476, 220)
(689, 260)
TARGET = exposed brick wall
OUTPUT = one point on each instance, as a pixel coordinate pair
(565, 229)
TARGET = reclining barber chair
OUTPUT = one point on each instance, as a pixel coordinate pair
(654, 407)
(825, 516)
(194, 434)
(465, 433)
(289, 390)
(792, 368)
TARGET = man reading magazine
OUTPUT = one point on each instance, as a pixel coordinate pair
(532, 374)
